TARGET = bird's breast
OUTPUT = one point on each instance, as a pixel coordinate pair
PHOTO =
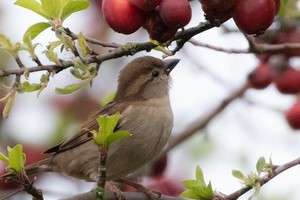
(150, 124)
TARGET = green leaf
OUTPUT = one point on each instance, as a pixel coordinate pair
(210, 189)
(76, 73)
(50, 54)
(78, 64)
(260, 165)
(98, 138)
(4, 158)
(191, 183)
(67, 40)
(5, 42)
(31, 87)
(9, 104)
(108, 98)
(111, 122)
(238, 174)
(117, 136)
(26, 73)
(72, 88)
(83, 44)
(199, 175)
(44, 82)
(52, 8)
(197, 188)
(189, 194)
(17, 158)
(6, 45)
(100, 135)
(35, 30)
(106, 135)
(282, 10)
(93, 69)
(33, 6)
(72, 7)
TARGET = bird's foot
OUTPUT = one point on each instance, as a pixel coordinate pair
(113, 188)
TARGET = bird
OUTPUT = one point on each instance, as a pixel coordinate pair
(142, 99)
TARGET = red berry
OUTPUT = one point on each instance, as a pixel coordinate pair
(261, 76)
(146, 5)
(220, 5)
(293, 115)
(214, 14)
(210, 4)
(288, 81)
(157, 29)
(254, 16)
(175, 14)
(122, 15)
(159, 166)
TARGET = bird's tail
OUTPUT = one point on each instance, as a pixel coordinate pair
(33, 169)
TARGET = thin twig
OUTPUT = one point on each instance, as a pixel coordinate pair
(221, 49)
(253, 47)
(19, 62)
(12, 194)
(92, 40)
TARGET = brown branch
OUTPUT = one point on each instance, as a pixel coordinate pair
(253, 47)
(19, 62)
(27, 186)
(120, 51)
(230, 51)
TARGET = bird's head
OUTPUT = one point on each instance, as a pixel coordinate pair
(144, 78)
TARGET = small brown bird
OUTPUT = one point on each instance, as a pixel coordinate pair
(142, 99)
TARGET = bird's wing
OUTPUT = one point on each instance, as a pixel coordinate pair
(83, 134)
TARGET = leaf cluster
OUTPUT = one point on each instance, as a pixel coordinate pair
(15, 160)
(253, 179)
(197, 188)
(106, 134)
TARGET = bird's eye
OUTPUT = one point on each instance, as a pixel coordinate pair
(155, 73)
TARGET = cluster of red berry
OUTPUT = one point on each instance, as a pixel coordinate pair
(161, 18)
(250, 16)
(285, 77)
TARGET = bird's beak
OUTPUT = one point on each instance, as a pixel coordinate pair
(170, 65)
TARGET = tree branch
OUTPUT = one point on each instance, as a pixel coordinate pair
(233, 196)
(119, 51)
(253, 47)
